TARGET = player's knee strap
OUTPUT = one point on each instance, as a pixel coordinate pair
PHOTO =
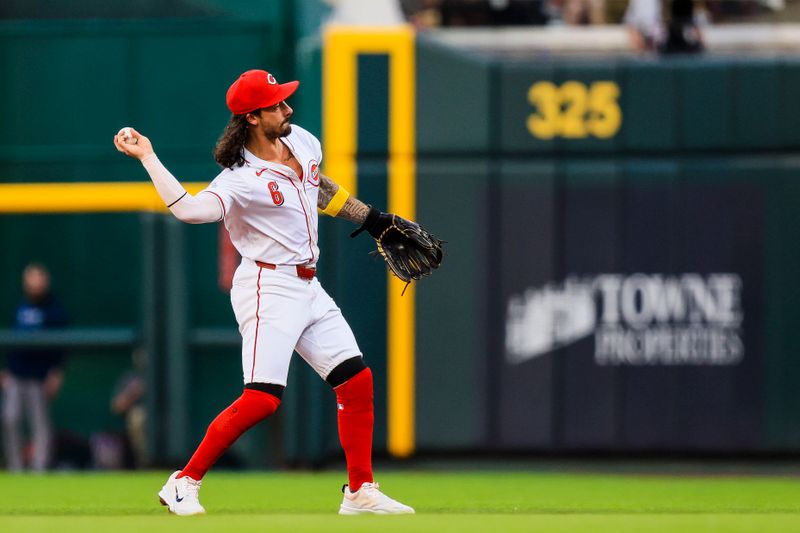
(345, 370)
(269, 388)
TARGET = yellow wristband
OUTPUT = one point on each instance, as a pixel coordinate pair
(336, 203)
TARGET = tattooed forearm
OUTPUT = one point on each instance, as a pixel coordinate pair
(327, 188)
(354, 210)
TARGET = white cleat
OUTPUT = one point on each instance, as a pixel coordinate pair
(368, 499)
(181, 496)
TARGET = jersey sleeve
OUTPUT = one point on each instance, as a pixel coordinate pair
(231, 190)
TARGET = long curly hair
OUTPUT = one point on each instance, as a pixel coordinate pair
(228, 151)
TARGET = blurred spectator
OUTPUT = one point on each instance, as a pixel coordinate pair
(682, 34)
(127, 401)
(424, 13)
(33, 377)
(644, 24)
(683, 31)
(583, 12)
(493, 12)
(731, 10)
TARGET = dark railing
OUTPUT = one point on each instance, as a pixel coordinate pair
(73, 338)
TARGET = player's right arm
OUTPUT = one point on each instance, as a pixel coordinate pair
(187, 208)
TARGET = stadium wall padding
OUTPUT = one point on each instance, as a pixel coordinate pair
(552, 180)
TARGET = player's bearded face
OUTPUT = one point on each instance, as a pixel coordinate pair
(274, 121)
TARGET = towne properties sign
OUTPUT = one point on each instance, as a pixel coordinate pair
(634, 319)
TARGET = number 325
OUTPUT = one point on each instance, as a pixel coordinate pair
(574, 111)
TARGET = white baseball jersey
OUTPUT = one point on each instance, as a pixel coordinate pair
(271, 212)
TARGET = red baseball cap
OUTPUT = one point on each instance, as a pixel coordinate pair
(256, 89)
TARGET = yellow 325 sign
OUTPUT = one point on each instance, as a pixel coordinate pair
(574, 111)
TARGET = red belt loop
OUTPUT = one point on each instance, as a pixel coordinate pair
(306, 272)
(266, 265)
(303, 272)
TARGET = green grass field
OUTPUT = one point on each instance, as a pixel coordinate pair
(492, 502)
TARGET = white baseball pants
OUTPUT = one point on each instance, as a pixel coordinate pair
(278, 313)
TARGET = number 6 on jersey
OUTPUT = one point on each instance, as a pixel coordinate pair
(277, 196)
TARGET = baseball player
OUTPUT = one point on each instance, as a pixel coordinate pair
(267, 195)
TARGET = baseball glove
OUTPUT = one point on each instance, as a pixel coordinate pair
(408, 249)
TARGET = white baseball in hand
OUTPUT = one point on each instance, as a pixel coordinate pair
(127, 136)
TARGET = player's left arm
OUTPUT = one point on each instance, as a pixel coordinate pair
(410, 251)
(335, 201)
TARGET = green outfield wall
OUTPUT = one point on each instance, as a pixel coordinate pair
(591, 208)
